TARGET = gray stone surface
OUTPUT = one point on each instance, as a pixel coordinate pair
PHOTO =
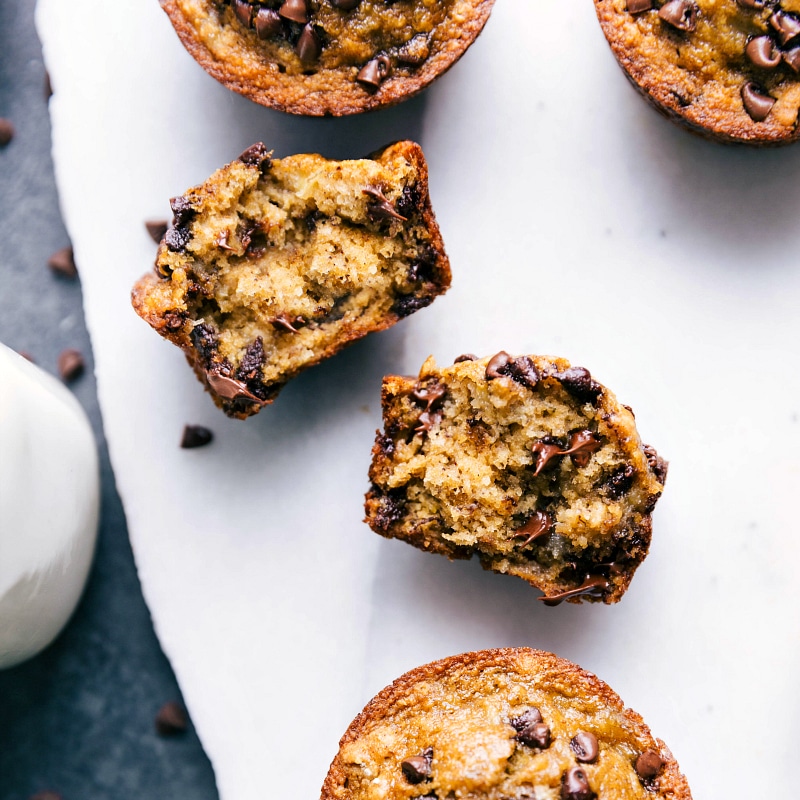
(78, 718)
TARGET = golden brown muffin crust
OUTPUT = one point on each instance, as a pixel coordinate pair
(467, 725)
(727, 69)
(343, 60)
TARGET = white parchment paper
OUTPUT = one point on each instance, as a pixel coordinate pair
(578, 223)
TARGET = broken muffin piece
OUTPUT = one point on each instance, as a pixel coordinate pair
(512, 723)
(727, 69)
(527, 462)
(273, 265)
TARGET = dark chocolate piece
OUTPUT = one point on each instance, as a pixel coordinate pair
(70, 364)
(267, 23)
(156, 228)
(762, 52)
(536, 734)
(649, 764)
(171, 719)
(309, 46)
(585, 747)
(538, 524)
(345, 5)
(575, 785)
(637, 6)
(407, 304)
(62, 262)
(593, 585)
(288, 322)
(257, 155)
(243, 12)
(231, 389)
(465, 357)
(620, 481)
(581, 446)
(429, 394)
(252, 361)
(375, 72)
(792, 58)
(659, 465)
(496, 368)
(382, 208)
(523, 370)
(416, 51)
(786, 25)
(578, 382)
(294, 11)
(6, 131)
(418, 769)
(757, 103)
(681, 14)
(390, 509)
(195, 436)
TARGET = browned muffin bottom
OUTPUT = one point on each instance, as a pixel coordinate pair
(273, 265)
(321, 57)
(727, 69)
(527, 462)
(510, 724)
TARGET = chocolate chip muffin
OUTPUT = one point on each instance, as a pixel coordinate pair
(727, 69)
(327, 57)
(515, 724)
(527, 462)
(273, 265)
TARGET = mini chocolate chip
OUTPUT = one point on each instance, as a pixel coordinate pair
(649, 764)
(230, 389)
(6, 131)
(792, 58)
(757, 103)
(637, 6)
(530, 716)
(465, 357)
(578, 382)
(345, 5)
(62, 262)
(593, 586)
(70, 364)
(267, 23)
(243, 12)
(575, 785)
(786, 25)
(585, 747)
(681, 14)
(257, 155)
(417, 769)
(762, 52)
(195, 436)
(523, 370)
(497, 366)
(538, 524)
(382, 208)
(375, 72)
(171, 719)
(295, 11)
(156, 228)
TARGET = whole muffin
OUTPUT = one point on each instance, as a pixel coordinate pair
(272, 265)
(527, 462)
(510, 724)
(727, 69)
(327, 57)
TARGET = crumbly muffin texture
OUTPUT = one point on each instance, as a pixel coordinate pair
(527, 462)
(322, 57)
(725, 68)
(508, 724)
(272, 265)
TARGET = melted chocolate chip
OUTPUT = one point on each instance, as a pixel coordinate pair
(593, 586)
(243, 12)
(230, 389)
(70, 364)
(171, 719)
(309, 45)
(575, 785)
(762, 52)
(465, 357)
(418, 769)
(205, 340)
(430, 393)
(535, 735)
(381, 208)
(407, 304)
(544, 451)
(177, 237)
(648, 765)
(585, 747)
(787, 26)
(578, 382)
(6, 131)
(257, 155)
(252, 361)
(294, 11)
(637, 6)
(427, 420)
(523, 371)
(757, 103)
(156, 228)
(384, 445)
(581, 446)
(656, 463)
(496, 368)
(538, 524)
(288, 323)
(375, 72)
(267, 23)
(390, 508)
(173, 320)
(409, 202)
(62, 262)
(680, 14)
(620, 481)
(195, 436)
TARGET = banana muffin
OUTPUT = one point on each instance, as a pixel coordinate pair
(327, 57)
(510, 724)
(271, 266)
(526, 462)
(727, 69)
